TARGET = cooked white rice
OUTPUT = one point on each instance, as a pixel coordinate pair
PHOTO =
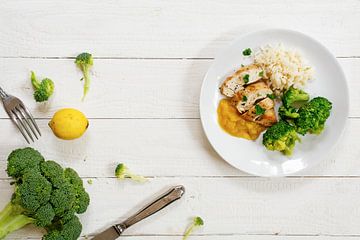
(283, 67)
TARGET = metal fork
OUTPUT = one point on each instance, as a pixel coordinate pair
(20, 115)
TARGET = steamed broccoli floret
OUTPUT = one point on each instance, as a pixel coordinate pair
(294, 95)
(122, 172)
(43, 89)
(286, 113)
(313, 115)
(197, 222)
(281, 137)
(45, 195)
(85, 61)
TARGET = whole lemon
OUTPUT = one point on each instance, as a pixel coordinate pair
(68, 124)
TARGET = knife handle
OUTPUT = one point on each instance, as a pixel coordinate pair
(169, 197)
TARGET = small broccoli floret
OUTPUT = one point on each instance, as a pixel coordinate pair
(45, 195)
(21, 160)
(122, 172)
(85, 61)
(43, 89)
(293, 96)
(313, 115)
(197, 222)
(44, 215)
(69, 230)
(33, 192)
(286, 113)
(53, 172)
(62, 199)
(281, 137)
(82, 198)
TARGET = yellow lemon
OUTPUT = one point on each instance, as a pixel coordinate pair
(68, 124)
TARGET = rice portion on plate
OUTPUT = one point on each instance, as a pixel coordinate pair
(283, 67)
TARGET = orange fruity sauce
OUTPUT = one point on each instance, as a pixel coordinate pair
(231, 122)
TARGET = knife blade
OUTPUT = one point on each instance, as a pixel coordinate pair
(161, 202)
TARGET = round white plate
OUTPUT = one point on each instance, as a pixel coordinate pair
(250, 156)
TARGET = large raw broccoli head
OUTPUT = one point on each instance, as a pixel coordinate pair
(313, 115)
(43, 89)
(293, 96)
(281, 137)
(45, 194)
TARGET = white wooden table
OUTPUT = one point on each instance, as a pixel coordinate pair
(151, 57)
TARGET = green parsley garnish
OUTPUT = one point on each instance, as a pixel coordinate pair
(244, 98)
(247, 52)
(271, 96)
(259, 110)
(261, 74)
(246, 78)
(242, 65)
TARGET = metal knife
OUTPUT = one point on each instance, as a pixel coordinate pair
(164, 200)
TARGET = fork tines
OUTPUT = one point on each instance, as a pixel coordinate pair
(25, 122)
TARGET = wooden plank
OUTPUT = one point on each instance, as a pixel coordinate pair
(244, 206)
(158, 148)
(128, 88)
(166, 28)
(205, 237)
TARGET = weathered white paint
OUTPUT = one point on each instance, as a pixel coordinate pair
(166, 28)
(144, 112)
(236, 205)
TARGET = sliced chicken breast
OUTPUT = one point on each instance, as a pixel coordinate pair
(264, 115)
(245, 99)
(244, 76)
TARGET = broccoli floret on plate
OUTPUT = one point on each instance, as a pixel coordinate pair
(313, 115)
(281, 137)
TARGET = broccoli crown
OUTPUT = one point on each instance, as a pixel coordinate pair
(69, 230)
(198, 221)
(313, 115)
(82, 198)
(43, 89)
(84, 60)
(286, 113)
(120, 170)
(294, 95)
(53, 172)
(33, 191)
(44, 215)
(45, 194)
(21, 160)
(281, 137)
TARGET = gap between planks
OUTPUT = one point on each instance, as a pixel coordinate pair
(133, 58)
(219, 177)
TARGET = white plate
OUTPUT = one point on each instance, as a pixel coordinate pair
(250, 156)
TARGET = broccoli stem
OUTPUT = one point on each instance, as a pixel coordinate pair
(85, 71)
(189, 231)
(34, 81)
(12, 219)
